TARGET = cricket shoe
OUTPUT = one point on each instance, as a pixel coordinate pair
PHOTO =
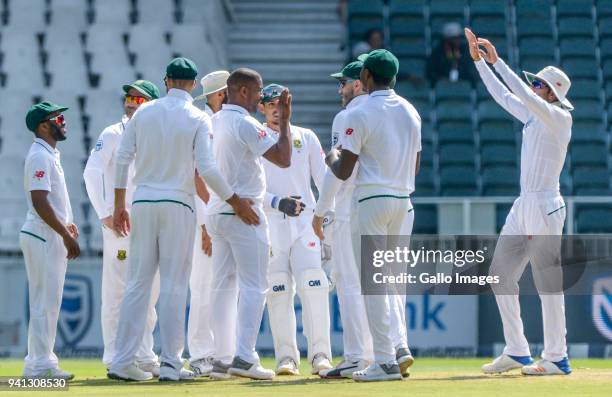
(152, 367)
(245, 369)
(545, 367)
(344, 370)
(219, 370)
(320, 362)
(202, 367)
(404, 358)
(378, 373)
(287, 367)
(51, 373)
(505, 363)
(167, 373)
(129, 373)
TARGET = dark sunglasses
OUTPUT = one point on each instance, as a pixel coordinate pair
(537, 84)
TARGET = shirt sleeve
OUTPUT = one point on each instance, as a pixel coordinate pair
(355, 133)
(316, 157)
(126, 152)
(335, 131)
(330, 187)
(38, 170)
(255, 136)
(205, 163)
(506, 99)
(96, 170)
(551, 114)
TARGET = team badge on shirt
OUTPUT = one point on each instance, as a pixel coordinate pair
(349, 131)
(262, 134)
(99, 145)
(39, 175)
(121, 255)
(297, 143)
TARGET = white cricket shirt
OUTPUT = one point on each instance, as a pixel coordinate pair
(385, 132)
(100, 170)
(307, 160)
(547, 127)
(336, 189)
(171, 137)
(239, 141)
(43, 171)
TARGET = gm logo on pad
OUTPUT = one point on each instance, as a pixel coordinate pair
(278, 288)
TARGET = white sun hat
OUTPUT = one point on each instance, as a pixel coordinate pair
(556, 80)
(213, 82)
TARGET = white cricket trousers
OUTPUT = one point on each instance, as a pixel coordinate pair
(45, 262)
(116, 257)
(529, 236)
(356, 336)
(199, 328)
(161, 240)
(240, 265)
(379, 212)
(296, 262)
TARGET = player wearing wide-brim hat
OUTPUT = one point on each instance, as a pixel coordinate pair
(162, 218)
(383, 133)
(200, 338)
(295, 249)
(99, 179)
(48, 237)
(543, 108)
(214, 91)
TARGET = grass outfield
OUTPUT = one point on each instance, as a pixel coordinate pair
(430, 377)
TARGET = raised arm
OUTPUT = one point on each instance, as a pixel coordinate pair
(504, 97)
(280, 153)
(551, 114)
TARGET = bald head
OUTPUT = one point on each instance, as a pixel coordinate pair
(244, 88)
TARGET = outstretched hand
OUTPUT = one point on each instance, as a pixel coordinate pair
(472, 44)
(490, 53)
(284, 105)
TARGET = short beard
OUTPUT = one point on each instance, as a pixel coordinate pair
(57, 133)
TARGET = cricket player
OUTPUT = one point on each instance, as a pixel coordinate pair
(384, 134)
(295, 255)
(241, 252)
(199, 328)
(48, 237)
(169, 138)
(356, 336)
(99, 180)
(544, 110)
(214, 91)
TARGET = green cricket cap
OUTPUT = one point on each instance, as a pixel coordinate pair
(350, 71)
(382, 63)
(272, 91)
(40, 112)
(181, 69)
(145, 87)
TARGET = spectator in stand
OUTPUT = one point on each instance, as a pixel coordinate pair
(374, 39)
(450, 58)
